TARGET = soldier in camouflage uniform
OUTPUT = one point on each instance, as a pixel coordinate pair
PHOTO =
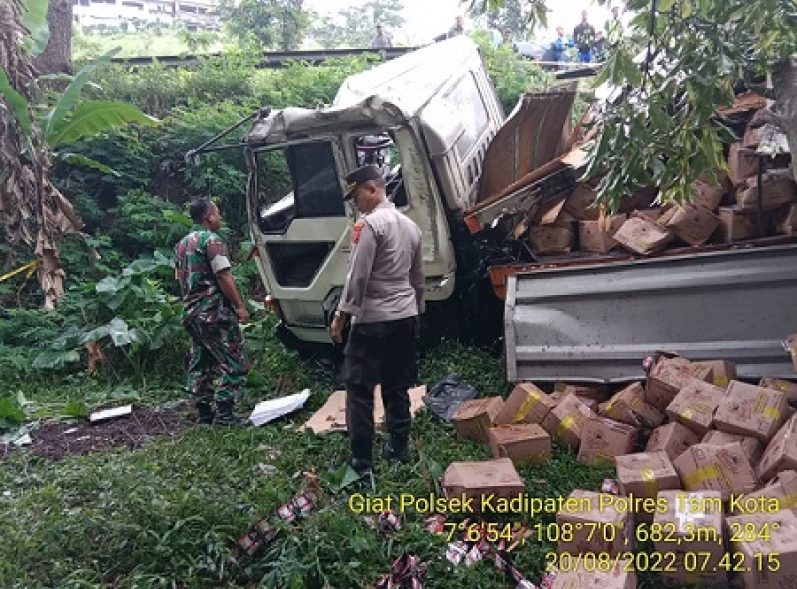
(212, 311)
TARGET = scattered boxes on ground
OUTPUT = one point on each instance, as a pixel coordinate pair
(672, 438)
(476, 417)
(585, 512)
(522, 443)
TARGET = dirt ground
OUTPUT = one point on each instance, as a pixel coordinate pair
(57, 440)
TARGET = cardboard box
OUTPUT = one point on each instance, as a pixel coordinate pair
(615, 575)
(742, 163)
(474, 419)
(736, 225)
(788, 388)
(604, 510)
(786, 220)
(780, 494)
(723, 468)
(596, 236)
(489, 479)
(597, 392)
(669, 375)
(759, 555)
(751, 411)
(581, 203)
(641, 199)
(752, 447)
(695, 404)
(629, 406)
(781, 453)
(691, 224)
(643, 475)
(722, 371)
(642, 236)
(777, 189)
(525, 404)
(551, 240)
(673, 439)
(693, 523)
(522, 443)
(604, 439)
(566, 421)
(709, 192)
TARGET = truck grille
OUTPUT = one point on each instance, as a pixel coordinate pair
(296, 264)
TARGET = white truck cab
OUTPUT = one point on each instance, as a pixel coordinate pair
(431, 114)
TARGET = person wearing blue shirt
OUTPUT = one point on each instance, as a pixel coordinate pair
(559, 45)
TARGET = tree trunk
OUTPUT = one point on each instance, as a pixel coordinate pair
(784, 81)
(34, 213)
(57, 56)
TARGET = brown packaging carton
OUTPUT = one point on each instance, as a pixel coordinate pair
(709, 193)
(566, 421)
(669, 375)
(642, 236)
(693, 524)
(476, 417)
(777, 189)
(722, 371)
(597, 392)
(752, 447)
(781, 453)
(604, 439)
(596, 236)
(750, 411)
(692, 224)
(525, 404)
(765, 560)
(551, 240)
(641, 199)
(716, 468)
(629, 406)
(522, 443)
(736, 225)
(695, 404)
(742, 163)
(615, 575)
(789, 390)
(604, 511)
(581, 203)
(643, 475)
(489, 479)
(779, 494)
(786, 220)
(672, 438)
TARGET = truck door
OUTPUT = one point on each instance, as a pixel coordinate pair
(300, 226)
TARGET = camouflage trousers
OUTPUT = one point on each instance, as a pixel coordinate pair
(216, 352)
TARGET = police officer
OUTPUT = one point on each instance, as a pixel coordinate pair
(212, 311)
(382, 298)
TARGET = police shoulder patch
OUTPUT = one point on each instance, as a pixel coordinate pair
(355, 233)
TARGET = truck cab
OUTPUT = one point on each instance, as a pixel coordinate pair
(426, 117)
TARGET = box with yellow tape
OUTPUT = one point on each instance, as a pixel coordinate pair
(642, 476)
(751, 411)
(604, 439)
(723, 468)
(782, 490)
(523, 443)
(475, 417)
(751, 446)
(669, 374)
(525, 404)
(672, 438)
(629, 406)
(781, 453)
(695, 404)
(566, 421)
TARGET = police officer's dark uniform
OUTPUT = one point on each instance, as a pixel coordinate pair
(383, 295)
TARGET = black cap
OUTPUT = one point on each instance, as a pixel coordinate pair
(360, 176)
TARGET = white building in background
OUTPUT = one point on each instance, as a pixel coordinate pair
(195, 14)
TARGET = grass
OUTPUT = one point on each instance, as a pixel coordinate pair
(145, 43)
(166, 515)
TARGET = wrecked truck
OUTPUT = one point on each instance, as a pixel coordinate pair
(478, 185)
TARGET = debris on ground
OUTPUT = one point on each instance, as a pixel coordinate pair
(272, 409)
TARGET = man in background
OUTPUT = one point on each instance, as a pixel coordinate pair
(584, 37)
(212, 312)
(560, 46)
(457, 29)
(614, 28)
(381, 40)
(382, 299)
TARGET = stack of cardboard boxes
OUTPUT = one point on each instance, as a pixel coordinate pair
(717, 477)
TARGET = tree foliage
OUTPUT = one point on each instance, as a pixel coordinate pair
(660, 122)
(516, 16)
(355, 26)
(276, 24)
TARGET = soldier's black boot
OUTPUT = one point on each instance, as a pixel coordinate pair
(361, 456)
(205, 411)
(226, 416)
(397, 448)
